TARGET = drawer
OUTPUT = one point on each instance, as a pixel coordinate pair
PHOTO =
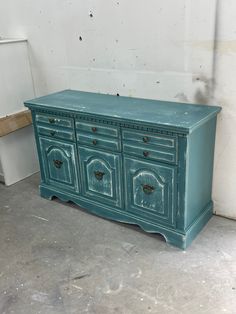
(150, 152)
(54, 120)
(96, 128)
(149, 138)
(56, 133)
(98, 141)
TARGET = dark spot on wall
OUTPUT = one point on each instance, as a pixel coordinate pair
(94, 59)
(123, 85)
(91, 14)
(118, 94)
(158, 82)
(182, 97)
(117, 40)
(204, 93)
(117, 3)
(80, 38)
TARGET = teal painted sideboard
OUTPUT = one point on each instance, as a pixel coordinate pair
(139, 161)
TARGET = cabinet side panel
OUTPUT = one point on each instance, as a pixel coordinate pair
(40, 158)
(199, 170)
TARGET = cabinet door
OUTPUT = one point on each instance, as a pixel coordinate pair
(59, 163)
(150, 190)
(101, 176)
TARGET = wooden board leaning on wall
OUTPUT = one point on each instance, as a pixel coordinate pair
(14, 122)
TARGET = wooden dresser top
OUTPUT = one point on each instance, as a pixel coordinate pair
(185, 117)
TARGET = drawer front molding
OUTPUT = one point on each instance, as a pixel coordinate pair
(54, 120)
(56, 133)
(100, 142)
(133, 125)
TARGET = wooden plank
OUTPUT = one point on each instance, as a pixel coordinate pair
(14, 122)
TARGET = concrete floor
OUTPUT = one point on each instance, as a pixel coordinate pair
(55, 258)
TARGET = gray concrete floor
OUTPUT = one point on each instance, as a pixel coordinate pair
(56, 258)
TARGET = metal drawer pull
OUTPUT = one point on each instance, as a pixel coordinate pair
(95, 142)
(53, 133)
(94, 129)
(57, 163)
(145, 139)
(99, 175)
(148, 189)
(51, 120)
(145, 154)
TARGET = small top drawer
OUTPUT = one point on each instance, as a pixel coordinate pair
(150, 146)
(66, 134)
(54, 120)
(97, 128)
(149, 138)
(150, 152)
(99, 141)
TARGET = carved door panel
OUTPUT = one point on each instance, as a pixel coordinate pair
(101, 176)
(59, 163)
(150, 190)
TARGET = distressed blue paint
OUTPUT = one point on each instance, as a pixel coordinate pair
(138, 161)
(101, 176)
(98, 141)
(59, 163)
(158, 204)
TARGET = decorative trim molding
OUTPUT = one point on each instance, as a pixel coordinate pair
(131, 125)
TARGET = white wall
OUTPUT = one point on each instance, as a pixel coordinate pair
(137, 48)
(15, 77)
(17, 149)
(161, 49)
(224, 191)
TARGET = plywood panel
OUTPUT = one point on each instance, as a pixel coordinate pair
(14, 122)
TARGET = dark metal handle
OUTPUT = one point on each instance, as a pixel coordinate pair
(57, 163)
(145, 154)
(145, 139)
(99, 175)
(51, 120)
(95, 142)
(148, 189)
(53, 133)
(94, 129)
